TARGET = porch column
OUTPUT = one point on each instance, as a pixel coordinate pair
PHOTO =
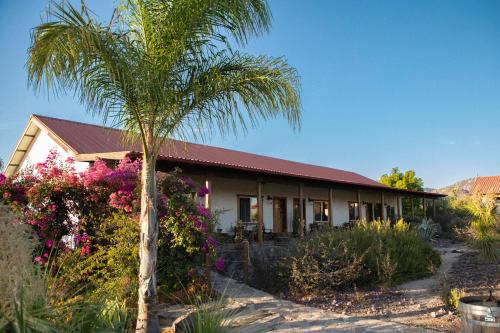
(382, 202)
(301, 210)
(208, 196)
(423, 207)
(412, 209)
(359, 204)
(330, 207)
(398, 208)
(260, 220)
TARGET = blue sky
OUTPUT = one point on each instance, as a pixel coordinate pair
(384, 83)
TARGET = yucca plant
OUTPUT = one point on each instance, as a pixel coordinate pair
(213, 315)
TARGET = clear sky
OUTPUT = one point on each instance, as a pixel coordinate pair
(414, 84)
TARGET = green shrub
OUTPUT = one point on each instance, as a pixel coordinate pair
(110, 270)
(485, 239)
(33, 301)
(450, 296)
(367, 254)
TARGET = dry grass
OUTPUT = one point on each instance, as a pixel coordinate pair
(17, 272)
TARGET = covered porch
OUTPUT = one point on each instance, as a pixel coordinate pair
(258, 206)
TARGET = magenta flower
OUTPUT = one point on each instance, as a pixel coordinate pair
(211, 241)
(219, 264)
(203, 211)
(203, 191)
(49, 243)
(2, 178)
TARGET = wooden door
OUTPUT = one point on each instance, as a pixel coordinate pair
(369, 212)
(279, 215)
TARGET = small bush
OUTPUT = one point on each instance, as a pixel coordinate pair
(367, 254)
(485, 239)
(450, 296)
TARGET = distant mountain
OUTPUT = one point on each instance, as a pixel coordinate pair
(459, 188)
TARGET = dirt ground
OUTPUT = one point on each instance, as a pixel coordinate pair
(418, 303)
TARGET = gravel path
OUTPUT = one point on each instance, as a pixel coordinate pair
(262, 312)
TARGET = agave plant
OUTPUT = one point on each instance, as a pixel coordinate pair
(427, 229)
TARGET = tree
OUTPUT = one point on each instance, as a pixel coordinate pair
(163, 68)
(1, 164)
(408, 181)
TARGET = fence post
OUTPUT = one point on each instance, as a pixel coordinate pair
(245, 261)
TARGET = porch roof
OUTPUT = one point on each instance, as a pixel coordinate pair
(89, 142)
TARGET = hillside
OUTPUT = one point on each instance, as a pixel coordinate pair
(459, 188)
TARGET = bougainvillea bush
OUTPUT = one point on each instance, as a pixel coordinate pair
(186, 231)
(88, 222)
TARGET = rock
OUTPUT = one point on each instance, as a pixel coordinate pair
(433, 314)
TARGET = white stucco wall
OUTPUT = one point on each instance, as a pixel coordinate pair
(39, 151)
(225, 191)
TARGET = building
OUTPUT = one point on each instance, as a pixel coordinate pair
(489, 185)
(291, 193)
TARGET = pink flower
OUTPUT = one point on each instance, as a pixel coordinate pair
(2, 178)
(219, 264)
(49, 243)
(204, 248)
(40, 260)
(6, 195)
(45, 255)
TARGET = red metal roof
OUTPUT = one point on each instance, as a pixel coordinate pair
(486, 185)
(92, 139)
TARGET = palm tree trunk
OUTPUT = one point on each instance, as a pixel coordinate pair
(147, 318)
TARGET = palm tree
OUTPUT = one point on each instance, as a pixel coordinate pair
(163, 68)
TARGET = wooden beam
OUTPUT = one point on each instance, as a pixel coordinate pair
(423, 207)
(330, 207)
(398, 208)
(301, 210)
(208, 196)
(382, 201)
(359, 204)
(118, 155)
(260, 224)
(412, 209)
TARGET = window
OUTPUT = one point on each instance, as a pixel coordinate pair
(353, 211)
(320, 211)
(248, 209)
